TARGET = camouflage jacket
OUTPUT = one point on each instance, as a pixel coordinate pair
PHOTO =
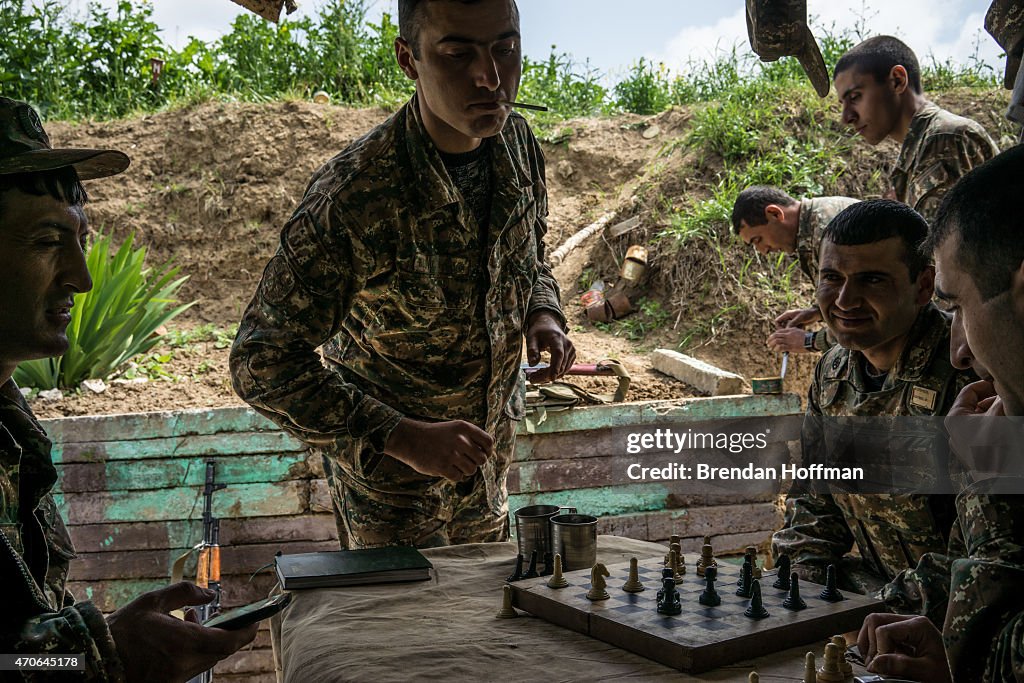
(939, 149)
(40, 616)
(377, 264)
(815, 215)
(984, 627)
(901, 538)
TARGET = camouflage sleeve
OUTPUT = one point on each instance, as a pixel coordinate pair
(76, 629)
(546, 295)
(945, 158)
(814, 532)
(305, 294)
(984, 627)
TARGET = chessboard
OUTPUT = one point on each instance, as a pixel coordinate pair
(701, 638)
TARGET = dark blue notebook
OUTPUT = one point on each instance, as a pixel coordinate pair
(352, 567)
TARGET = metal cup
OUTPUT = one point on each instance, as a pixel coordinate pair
(533, 528)
(575, 539)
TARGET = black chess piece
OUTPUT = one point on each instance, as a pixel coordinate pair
(793, 601)
(830, 593)
(710, 597)
(756, 610)
(746, 578)
(747, 562)
(782, 580)
(668, 597)
(549, 564)
(531, 572)
(518, 573)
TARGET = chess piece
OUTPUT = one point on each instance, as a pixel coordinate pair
(793, 601)
(677, 575)
(557, 580)
(829, 593)
(755, 571)
(549, 564)
(830, 671)
(756, 610)
(744, 591)
(753, 677)
(710, 597)
(633, 584)
(507, 611)
(518, 573)
(531, 572)
(810, 669)
(783, 567)
(844, 665)
(707, 558)
(668, 598)
(674, 538)
(746, 563)
(598, 586)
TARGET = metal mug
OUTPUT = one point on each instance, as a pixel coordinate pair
(533, 528)
(575, 539)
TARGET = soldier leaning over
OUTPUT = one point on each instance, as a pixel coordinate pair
(416, 258)
(879, 87)
(874, 292)
(770, 220)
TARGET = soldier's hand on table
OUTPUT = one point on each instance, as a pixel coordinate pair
(903, 646)
(155, 646)
(787, 339)
(544, 333)
(454, 450)
(799, 317)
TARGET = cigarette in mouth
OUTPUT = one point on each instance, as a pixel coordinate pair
(521, 105)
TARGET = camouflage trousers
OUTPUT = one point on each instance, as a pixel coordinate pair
(379, 501)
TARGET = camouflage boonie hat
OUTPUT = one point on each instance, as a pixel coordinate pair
(25, 147)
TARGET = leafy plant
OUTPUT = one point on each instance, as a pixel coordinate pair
(114, 322)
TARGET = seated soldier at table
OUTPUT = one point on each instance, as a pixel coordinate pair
(979, 258)
(42, 267)
(875, 292)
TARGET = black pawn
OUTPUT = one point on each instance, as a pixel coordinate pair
(744, 591)
(531, 572)
(793, 601)
(830, 594)
(549, 564)
(747, 562)
(756, 608)
(782, 580)
(518, 573)
(669, 602)
(710, 597)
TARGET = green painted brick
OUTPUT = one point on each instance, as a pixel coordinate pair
(226, 444)
(603, 501)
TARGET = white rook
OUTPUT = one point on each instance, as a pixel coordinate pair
(698, 374)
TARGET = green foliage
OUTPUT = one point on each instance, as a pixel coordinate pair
(569, 89)
(645, 90)
(114, 322)
(649, 316)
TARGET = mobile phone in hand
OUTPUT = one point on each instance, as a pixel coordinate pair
(240, 617)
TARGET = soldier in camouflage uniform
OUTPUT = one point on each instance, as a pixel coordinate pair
(874, 293)
(42, 265)
(979, 257)
(879, 87)
(416, 259)
(770, 220)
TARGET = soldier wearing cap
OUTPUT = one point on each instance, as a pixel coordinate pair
(42, 267)
(770, 220)
(874, 293)
(416, 260)
(879, 88)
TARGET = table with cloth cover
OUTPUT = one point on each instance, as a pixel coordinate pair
(445, 629)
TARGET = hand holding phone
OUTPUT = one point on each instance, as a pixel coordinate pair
(249, 614)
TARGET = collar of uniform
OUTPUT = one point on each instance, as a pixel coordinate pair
(915, 136)
(36, 466)
(927, 334)
(804, 231)
(432, 179)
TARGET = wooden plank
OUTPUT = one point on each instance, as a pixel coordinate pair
(693, 522)
(616, 440)
(127, 475)
(240, 500)
(613, 500)
(229, 444)
(162, 424)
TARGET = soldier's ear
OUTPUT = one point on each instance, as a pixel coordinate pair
(898, 79)
(925, 285)
(406, 59)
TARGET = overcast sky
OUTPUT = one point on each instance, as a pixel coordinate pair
(613, 34)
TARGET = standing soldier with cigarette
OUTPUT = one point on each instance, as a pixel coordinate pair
(416, 260)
